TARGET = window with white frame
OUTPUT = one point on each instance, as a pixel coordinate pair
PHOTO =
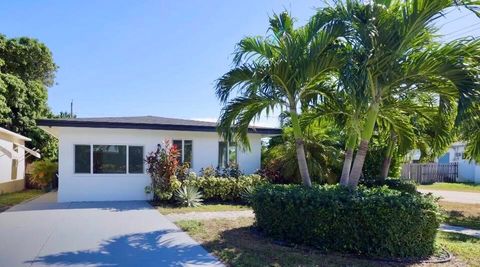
(227, 154)
(185, 149)
(108, 159)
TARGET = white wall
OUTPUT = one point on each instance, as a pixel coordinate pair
(6, 163)
(104, 187)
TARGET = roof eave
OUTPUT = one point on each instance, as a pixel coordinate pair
(146, 126)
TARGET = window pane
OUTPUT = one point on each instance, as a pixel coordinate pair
(232, 153)
(178, 145)
(109, 159)
(135, 159)
(82, 159)
(222, 154)
(187, 152)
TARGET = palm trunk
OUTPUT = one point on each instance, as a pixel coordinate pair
(347, 162)
(388, 157)
(385, 168)
(300, 149)
(367, 133)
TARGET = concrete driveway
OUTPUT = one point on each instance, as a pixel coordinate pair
(45, 233)
(454, 196)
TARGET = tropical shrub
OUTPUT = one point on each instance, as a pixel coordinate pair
(162, 166)
(232, 170)
(43, 172)
(188, 196)
(322, 145)
(376, 222)
(393, 183)
(222, 188)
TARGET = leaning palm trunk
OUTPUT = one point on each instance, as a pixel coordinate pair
(385, 168)
(388, 157)
(300, 149)
(347, 164)
(302, 163)
(363, 147)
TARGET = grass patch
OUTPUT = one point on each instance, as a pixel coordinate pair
(165, 208)
(10, 199)
(461, 214)
(463, 187)
(466, 248)
(234, 243)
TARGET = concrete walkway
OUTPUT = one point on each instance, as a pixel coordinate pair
(45, 233)
(454, 196)
(207, 215)
(459, 230)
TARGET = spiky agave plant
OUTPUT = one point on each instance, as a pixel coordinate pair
(189, 196)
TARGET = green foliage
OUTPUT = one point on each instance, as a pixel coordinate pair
(374, 160)
(43, 172)
(322, 142)
(222, 188)
(375, 222)
(392, 183)
(188, 196)
(26, 70)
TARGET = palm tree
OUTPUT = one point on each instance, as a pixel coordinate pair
(322, 141)
(282, 70)
(400, 56)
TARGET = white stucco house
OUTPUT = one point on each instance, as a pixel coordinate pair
(102, 159)
(468, 171)
(12, 160)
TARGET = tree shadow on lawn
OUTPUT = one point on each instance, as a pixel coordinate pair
(455, 217)
(158, 248)
(245, 247)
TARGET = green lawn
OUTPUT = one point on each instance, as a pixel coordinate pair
(169, 208)
(11, 199)
(464, 187)
(466, 248)
(234, 242)
(461, 214)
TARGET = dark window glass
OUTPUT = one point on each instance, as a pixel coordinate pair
(109, 159)
(232, 153)
(178, 145)
(135, 159)
(222, 155)
(187, 151)
(82, 159)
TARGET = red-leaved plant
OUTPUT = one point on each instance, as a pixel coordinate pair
(162, 165)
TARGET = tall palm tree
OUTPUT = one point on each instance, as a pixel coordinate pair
(400, 56)
(282, 70)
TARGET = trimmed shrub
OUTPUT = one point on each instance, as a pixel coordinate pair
(221, 188)
(393, 183)
(376, 222)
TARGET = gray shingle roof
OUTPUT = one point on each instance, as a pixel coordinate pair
(145, 122)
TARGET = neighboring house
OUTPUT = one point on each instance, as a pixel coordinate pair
(12, 161)
(102, 159)
(468, 171)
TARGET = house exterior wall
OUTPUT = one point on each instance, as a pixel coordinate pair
(468, 171)
(106, 187)
(7, 182)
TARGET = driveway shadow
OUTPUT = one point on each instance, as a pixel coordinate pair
(158, 248)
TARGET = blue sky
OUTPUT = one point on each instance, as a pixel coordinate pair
(129, 58)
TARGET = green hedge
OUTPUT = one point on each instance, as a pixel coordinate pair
(376, 222)
(221, 188)
(393, 183)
